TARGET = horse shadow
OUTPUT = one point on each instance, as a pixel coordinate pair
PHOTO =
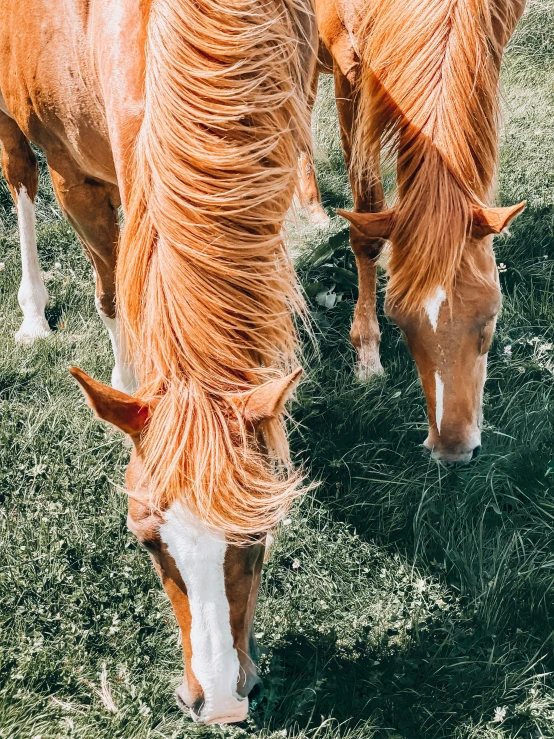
(391, 691)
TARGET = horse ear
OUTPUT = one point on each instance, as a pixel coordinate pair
(267, 400)
(127, 413)
(373, 225)
(487, 221)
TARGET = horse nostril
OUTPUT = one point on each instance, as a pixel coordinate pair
(256, 691)
(197, 707)
(476, 452)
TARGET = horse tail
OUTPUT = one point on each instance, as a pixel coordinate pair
(205, 288)
(429, 92)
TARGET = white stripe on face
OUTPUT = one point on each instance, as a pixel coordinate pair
(32, 294)
(199, 555)
(433, 307)
(439, 401)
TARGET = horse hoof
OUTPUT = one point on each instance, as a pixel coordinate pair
(317, 216)
(33, 330)
(366, 372)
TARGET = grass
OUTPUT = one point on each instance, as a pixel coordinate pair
(403, 601)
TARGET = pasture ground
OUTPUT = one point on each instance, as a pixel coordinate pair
(403, 601)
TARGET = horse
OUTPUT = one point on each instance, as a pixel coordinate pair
(418, 80)
(189, 114)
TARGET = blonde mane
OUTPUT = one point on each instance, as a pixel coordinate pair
(205, 288)
(429, 91)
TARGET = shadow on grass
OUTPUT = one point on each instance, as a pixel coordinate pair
(448, 676)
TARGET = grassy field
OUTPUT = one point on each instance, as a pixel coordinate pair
(421, 600)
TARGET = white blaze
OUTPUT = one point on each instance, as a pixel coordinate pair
(32, 294)
(439, 401)
(199, 554)
(433, 306)
(123, 376)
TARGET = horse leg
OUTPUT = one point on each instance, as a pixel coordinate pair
(91, 207)
(20, 168)
(368, 198)
(308, 190)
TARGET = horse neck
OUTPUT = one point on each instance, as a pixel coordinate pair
(206, 290)
(429, 93)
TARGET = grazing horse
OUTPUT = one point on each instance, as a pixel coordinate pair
(418, 79)
(190, 113)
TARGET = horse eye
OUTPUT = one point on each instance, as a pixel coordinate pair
(485, 337)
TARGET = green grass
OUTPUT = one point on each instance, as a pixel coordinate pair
(421, 600)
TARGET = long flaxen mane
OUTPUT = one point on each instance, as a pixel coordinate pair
(429, 92)
(205, 288)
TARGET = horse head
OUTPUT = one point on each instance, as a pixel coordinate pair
(211, 581)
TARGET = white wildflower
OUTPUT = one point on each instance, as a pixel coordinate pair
(508, 350)
(327, 298)
(499, 714)
(144, 709)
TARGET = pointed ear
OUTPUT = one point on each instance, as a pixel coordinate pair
(372, 225)
(127, 413)
(487, 221)
(268, 400)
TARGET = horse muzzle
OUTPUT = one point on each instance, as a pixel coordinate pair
(455, 452)
(230, 710)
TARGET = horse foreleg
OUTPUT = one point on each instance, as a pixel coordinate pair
(365, 334)
(91, 207)
(308, 190)
(19, 165)
(123, 373)
(368, 198)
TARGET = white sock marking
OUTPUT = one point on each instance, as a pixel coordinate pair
(123, 375)
(199, 554)
(433, 306)
(439, 401)
(32, 294)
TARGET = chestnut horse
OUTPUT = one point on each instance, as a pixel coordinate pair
(191, 114)
(420, 78)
